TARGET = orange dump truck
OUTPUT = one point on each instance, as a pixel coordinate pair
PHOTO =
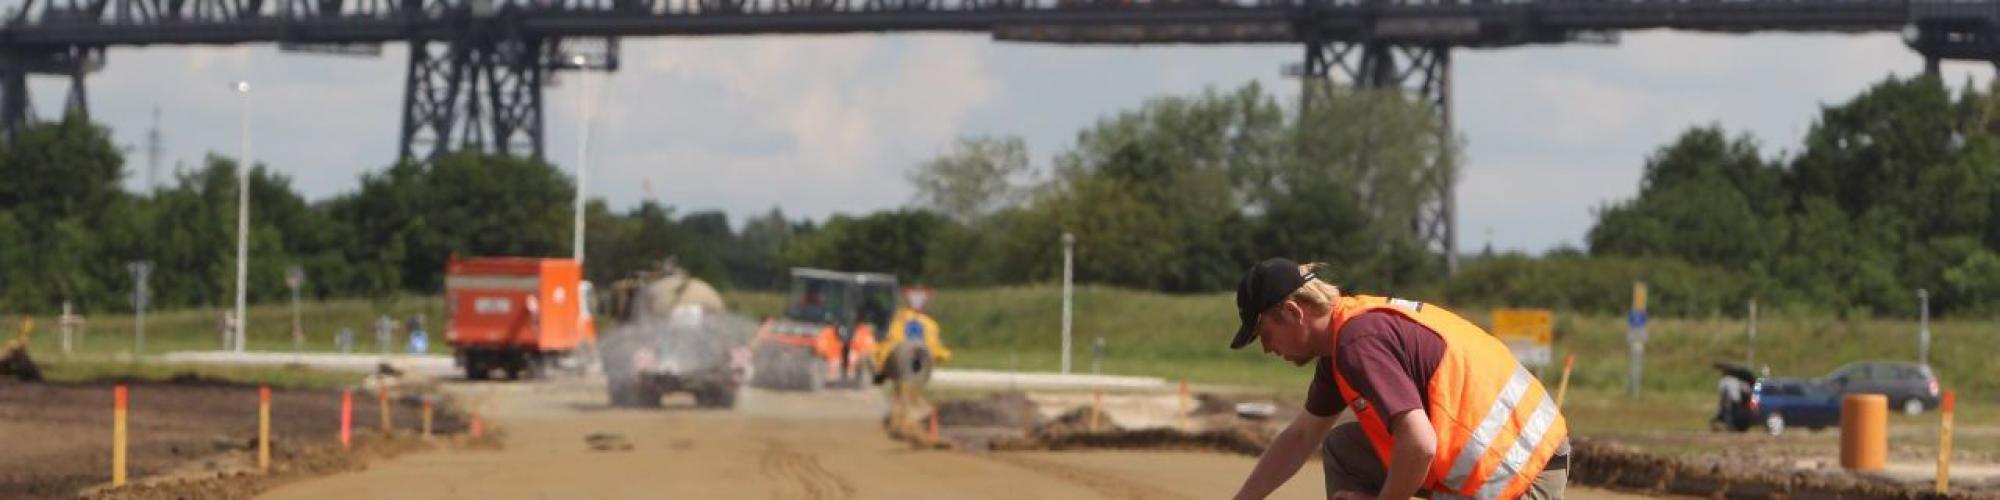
(515, 314)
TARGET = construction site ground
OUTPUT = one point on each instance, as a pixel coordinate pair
(55, 438)
(558, 439)
(562, 441)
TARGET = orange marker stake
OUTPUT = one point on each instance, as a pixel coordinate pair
(118, 435)
(1562, 389)
(1950, 403)
(934, 427)
(476, 428)
(427, 417)
(264, 428)
(346, 418)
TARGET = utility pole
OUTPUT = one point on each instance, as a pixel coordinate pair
(154, 148)
(1753, 334)
(1923, 326)
(1069, 244)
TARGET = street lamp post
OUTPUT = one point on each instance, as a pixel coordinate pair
(582, 153)
(243, 219)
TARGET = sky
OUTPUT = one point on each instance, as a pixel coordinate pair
(819, 125)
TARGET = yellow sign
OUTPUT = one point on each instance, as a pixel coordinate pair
(1527, 332)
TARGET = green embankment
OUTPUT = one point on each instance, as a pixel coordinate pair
(1185, 336)
(1178, 336)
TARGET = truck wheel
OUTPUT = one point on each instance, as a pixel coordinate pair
(475, 366)
(716, 397)
(647, 394)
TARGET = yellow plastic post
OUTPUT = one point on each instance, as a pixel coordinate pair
(1562, 389)
(264, 428)
(1944, 443)
(118, 436)
(1864, 440)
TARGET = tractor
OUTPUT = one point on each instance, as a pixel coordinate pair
(844, 330)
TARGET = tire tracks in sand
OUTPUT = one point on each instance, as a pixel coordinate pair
(800, 475)
(1108, 485)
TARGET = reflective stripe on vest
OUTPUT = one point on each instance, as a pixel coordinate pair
(1493, 436)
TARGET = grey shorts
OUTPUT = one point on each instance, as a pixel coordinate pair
(1351, 465)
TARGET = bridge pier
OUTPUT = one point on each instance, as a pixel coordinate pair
(16, 110)
(473, 94)
(1424, 70)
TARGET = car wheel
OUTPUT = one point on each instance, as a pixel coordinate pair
(1913, 406)
(1774, 424)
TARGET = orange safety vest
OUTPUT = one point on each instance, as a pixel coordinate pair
(1497, 427)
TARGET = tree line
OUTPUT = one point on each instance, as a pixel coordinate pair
(1892, 191)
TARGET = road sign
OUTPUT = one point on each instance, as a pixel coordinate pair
(1527, 332)
(917, 297)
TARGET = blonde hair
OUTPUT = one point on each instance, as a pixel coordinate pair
(1317, 294)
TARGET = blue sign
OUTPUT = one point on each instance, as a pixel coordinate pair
(1636, 319)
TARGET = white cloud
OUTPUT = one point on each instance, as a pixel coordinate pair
(829, 123)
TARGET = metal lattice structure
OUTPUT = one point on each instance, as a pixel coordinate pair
(478, 67)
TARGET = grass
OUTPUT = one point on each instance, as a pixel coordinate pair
(80, 370)
(1183, 337)
(269, 328)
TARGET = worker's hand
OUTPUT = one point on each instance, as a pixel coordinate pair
(1352, 495)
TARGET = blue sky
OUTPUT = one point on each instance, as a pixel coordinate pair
(828, 124)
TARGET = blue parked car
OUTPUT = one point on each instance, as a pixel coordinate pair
(1778, 403)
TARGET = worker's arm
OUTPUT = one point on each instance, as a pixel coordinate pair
(1410, 459)
(1287, 452)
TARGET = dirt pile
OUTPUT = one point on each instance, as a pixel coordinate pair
(1011, 409)
(1602, 463)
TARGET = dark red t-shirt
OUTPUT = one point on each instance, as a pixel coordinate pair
(1387, 358)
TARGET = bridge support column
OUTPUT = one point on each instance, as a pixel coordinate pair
(16, 111)
(1422, 70)
(474, 94)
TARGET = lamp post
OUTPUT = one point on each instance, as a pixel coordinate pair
(242, 219)
(1069, 274)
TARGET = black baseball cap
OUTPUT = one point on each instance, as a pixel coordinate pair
(1265, 285)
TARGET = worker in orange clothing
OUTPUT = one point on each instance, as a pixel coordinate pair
(1443, 407)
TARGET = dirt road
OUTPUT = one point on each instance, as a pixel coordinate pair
(827, 445)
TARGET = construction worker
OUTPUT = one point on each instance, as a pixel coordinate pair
(1442, 406)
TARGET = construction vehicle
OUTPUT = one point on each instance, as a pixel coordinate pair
(519, 315)
(673, 335)
(14, 359)
(912, 346)
(844, 330)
